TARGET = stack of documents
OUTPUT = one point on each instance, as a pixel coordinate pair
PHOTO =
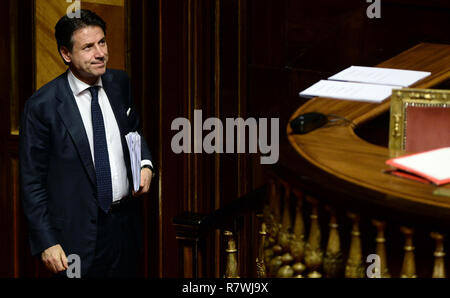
(134, 147)
(433, 165)
(360, 83)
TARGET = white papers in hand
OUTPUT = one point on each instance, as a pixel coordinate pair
(349, 91)
(134, 147)
(379, 75)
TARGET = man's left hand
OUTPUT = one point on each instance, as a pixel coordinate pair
(146, 179)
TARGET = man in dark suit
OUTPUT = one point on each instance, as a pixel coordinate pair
(76, 180)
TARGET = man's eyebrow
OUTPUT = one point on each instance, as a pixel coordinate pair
(87, 44)
(92, 43)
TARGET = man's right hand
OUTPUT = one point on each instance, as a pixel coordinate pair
(55, 259)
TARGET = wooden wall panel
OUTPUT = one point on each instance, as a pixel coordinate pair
(14, 68)
(5, 83)
(16, 213)
(188, 60)
(7, 267)
(143, 31)
(49, 64)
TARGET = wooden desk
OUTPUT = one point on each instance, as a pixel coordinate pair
(338, 155)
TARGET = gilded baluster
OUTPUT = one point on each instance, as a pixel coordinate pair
(274, 265)
(286, 270)
(271, 217)
(313, 252)
(270, 209)
(285, 237)
(276, 260)
(409, 264)
(354, 267)
(268, 256)
(333, 262)
(260, 260)
(275, 201)
(381, 247)
(299, 223)
(278, 236)
(231, 270)
(286, 223)
(277, 248)
(274, 224)
(298, 242)
(439, 254)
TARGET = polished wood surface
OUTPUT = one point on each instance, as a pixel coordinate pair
(338, 151)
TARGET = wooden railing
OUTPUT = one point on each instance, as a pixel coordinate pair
(336, 241)
(199, 235)
(299, 236)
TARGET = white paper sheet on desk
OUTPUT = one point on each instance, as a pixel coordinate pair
(379, 75)
(349, 91)
(134, 147)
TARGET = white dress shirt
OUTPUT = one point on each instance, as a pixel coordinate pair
(114, 142)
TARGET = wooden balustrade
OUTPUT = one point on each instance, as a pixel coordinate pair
(409, 263)
(298, 238)
(261, 270)
(381, 247)
(286, 250)
(313, 251)
(195, 232)
(354, 267)
(439, 254)
(334, 242)
(334, 259)
(231, 269)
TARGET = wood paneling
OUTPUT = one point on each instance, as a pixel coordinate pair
(16, 212)
(189, 59)
(49, 63)
(15, 60)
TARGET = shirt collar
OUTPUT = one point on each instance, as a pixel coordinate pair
(79, 86)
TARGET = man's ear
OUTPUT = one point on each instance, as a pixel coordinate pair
(65, 53)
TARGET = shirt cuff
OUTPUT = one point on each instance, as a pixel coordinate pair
(146, 162)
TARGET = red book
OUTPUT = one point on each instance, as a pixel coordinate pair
(432, 165)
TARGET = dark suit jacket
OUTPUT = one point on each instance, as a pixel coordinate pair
(57, 175)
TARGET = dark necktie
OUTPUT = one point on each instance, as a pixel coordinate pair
(102, 167)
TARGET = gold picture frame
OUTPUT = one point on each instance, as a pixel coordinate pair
(401, 99)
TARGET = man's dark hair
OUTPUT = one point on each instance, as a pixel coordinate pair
(66, 26)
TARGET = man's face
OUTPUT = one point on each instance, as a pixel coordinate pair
(89, 54)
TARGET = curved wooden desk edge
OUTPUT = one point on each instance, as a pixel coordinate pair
(329, 148)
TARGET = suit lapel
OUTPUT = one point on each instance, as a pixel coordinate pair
(70, 115)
